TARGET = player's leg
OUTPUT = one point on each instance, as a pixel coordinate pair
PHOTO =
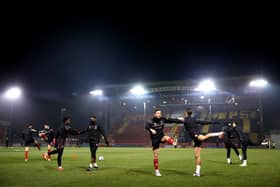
(197, 151)
(236, 151)
(53, 152)
(228, 148)
(94, 156)
(169, 140)
(26, 151)
(156, 165)
(59, 158)
(209, 135)
(49, 149)
(47, 156)
(37, 144)
(93, 149)
(244, 153)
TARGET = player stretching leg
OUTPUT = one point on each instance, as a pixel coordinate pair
(155, 126)
(28, 137)
(192, 127)
(47, 135)
(59, 141)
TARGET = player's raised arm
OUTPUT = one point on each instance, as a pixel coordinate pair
(203, 122)
(73, 131)
(156, 128)
(34, 130)
(83, 131)
(172, 120)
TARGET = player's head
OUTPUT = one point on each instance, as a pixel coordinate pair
(157, 113)
(234, 124)
(229, 123)
(66, 120)
(188, 112)
(29, 125)
(93, 119)
(46, 126)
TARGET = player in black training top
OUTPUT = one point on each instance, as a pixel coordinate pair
(155, 126)
(95, 131)
(28, 136)
(243, 138)
(59, 141)
(192, 126)
(47, 134)
(229, 141)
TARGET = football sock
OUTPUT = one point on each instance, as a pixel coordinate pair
(170, 141)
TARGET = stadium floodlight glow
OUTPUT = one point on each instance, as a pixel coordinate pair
(138, 90)
(13, 93)
(96, 92)
(258, 83)
(206, 86)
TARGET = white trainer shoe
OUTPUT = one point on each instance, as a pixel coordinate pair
(243, 165)
(95, 165)
(157, 173)
(196, 174)
(240, 157)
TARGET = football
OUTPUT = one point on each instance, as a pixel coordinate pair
(100, 158)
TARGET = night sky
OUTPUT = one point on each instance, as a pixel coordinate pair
(53, 51)
(67, 51)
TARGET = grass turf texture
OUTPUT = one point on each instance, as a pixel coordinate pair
(134, 167)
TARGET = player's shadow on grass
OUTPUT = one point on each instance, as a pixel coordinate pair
(176, 172)
(218, 162)
(50, 167)
(84, 168)
(138, 172)
(253, 164)
(234, 163)
(213, 173)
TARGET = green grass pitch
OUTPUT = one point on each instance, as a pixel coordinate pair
(134, 167)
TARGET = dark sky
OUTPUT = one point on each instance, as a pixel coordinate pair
(67, 51)
(55, 50)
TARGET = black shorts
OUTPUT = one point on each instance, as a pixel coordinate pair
(230, 144)
(156, 142)
(27, 143)
(49, 141)
(59, 144)
(93, 144)
(197, 142)
(93, 149)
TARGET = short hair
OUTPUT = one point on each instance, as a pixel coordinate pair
(189, 111)
(156, 110)
(28, 124)
(93, 116)
(65, 119)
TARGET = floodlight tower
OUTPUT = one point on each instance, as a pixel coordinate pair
(138, 91)
(207, 86)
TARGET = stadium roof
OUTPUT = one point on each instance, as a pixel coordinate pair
(236, 84)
